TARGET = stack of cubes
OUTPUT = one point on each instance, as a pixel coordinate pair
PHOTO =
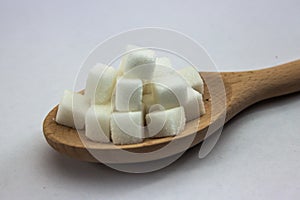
(144, 98)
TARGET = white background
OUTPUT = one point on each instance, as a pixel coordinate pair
(42, 45)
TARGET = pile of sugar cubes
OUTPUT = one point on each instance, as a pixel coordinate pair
(145, 98)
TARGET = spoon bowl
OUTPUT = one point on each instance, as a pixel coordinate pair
(241, 89)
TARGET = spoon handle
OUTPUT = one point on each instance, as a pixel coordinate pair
(250, 87)
(277, 81)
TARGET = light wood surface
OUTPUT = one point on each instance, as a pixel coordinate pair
(242, 89)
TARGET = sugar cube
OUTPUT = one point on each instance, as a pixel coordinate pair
(194, 107)
(123, 62)
(165, 123)
(170, 91)
(72, 109)
(129, 94)
(97, 123)
(139, 63)
(163, 67)
(192, 76)
(100, 84)
(127, 127)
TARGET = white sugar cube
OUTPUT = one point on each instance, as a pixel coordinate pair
(72, 109)
(163, 67)
(165, 123)
(127, 127)
(170, 91)
(194, 106)
(163, 61)
(129, 48)
(192, 76)
(199, 97)
(129, 94)
(97, 123)
(100, 84)
(139, 63)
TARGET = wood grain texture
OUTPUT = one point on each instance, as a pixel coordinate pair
(242, 89)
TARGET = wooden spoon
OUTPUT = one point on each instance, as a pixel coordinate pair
(242, 89)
